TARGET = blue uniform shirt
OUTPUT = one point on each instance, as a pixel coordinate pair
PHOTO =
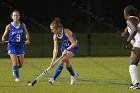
(16, 34)
(66, 42)
(16, 40)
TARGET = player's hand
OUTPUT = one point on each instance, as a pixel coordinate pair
(27, 42)
(52, 64)
(126, 45)
(3, 40)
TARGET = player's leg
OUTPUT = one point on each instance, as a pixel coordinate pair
(57, 72)
(12, 51)
(15, 67)
(59, 68)
(21, 52)
(71, 53)
(20, 60)
(134, 59)
(132, 44)
(61, 64)
(70, 68)
(72, 73)
(68, 64)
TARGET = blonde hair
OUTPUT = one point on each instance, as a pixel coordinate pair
(56, 23)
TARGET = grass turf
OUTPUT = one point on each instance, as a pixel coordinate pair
(96, 75)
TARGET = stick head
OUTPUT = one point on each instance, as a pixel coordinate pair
(29, 84)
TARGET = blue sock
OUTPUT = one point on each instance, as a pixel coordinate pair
(57, 71)
(70, 69)
(15, 71)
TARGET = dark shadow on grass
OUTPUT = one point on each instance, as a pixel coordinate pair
(95, 81)
(91, 81)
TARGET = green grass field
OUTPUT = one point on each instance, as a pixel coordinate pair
(96, 75)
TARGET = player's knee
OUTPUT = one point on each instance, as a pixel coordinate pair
(134, 63)
(64, 60)
(15, 63)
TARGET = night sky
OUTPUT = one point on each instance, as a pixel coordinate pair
(40, 10)
(43, 11)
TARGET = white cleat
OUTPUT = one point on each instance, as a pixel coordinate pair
(73, 79)
(51, 81)
(136, 86)
(17, 80)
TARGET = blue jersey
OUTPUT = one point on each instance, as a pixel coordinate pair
(16, 34)
(16, 44)
(66, 42)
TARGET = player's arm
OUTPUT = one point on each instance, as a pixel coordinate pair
(26, 34)
(132, 23)
(55, 50)
(7, 29)
(68, 33)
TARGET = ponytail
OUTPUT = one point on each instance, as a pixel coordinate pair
(56, 23)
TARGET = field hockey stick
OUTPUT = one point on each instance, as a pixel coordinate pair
(2, 42)
(42, 74)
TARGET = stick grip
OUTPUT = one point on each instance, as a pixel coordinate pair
(34, 82)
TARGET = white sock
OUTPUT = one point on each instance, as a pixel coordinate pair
(134, 74)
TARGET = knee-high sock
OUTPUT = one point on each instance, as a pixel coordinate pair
(15, 71)
(57, 71)
(134, 74)
(70, 69)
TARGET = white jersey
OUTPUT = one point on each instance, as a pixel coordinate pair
(136, 39)
(130, 32)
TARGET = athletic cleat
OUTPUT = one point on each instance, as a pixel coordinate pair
(17, 80)
(51, 81)
(136, 86)
(73, 79)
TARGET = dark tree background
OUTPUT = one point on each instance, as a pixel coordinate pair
(42, 12)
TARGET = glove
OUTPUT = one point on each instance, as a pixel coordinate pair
(126, 45)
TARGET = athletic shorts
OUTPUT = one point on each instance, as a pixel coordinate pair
(74, 50)
(16, 49)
